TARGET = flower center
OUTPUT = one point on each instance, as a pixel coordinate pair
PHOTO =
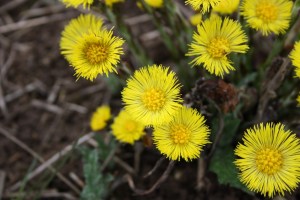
(180, 134)
(269, 161)
(266, 11)
(95, 53)
(154, 99)
(130, 125)
(218, 47)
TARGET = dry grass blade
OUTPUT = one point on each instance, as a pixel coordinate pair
(34, 22)
(53, 159)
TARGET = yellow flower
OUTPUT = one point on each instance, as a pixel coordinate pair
(155, 3)
(298, 99)
(152, 95)
(75, 29)
(295, 57)
(203, 5)
(126, 129)
(269, 159)
(227, 6)
(268, 16)
(90, 49)
(110, 3)
(215, 40)
(76, 3)
(100, 117)
(184, 137)
(196, 19)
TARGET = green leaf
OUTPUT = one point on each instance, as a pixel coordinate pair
(96, 183)
(222, 164)
(231, 125)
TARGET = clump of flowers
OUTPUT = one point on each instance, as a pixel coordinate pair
(269, 159)
(214, 40)
(100, 117)
(202, 5)
(90, 49)
(267, 16)
(295, 57)
(126, 129)
(227, 6)
(184, 137)
(152, 95)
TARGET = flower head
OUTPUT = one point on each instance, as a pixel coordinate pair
(183, 137)
(152, 95)
(126, 129)
(215, 39)
(227, 6)
(269, 159)
(203, 5)
(196, 19)
(110, 3)
(76, 3)
(268, 16)
(298, 99)
(90, 50)
(295, 57)
(155, 3)
(100, 117)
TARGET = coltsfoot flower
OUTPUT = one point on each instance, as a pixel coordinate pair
(214, 40)
(100, 117)
(155, 3)
(267, 16)
(90, 49)
(196, 19)
(202, 5)
(110, 3)
(152, 95)
(184, 137)
(269, 159)
(76, 3)
(227, 6)
(126, 129)
(295, 57)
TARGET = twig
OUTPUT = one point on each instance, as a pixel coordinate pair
(108, 159)
(124, 165)
(48, 194)
(28, 88)
(201, 170)
(138, 148)
(3, 107)
(33, 12)
(38, 157)
(49, 107)
(164, 176)
(218, 134)
(2, 181)
(48, 164)
(268, 91)
(34, 22)
(76, 179)
(157, 164)
(11, 5)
